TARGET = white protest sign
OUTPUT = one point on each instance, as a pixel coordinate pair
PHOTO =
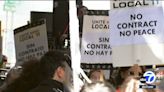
(137, 36)
(95, 46)
(118, 4)
(30, 41)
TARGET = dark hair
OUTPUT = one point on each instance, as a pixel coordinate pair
(4, 58)
(119, 80)
(32, 72)
(29, 78)
(98, 87)
(92, 71)
(51, 61)
(102, 76)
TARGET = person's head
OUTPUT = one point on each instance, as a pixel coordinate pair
(124, 72)
(161, 86)
(54, 65)
(25, 77)
(4, 61)
(13, 74)
(131, 84)
(4, 58)
(97, 87)
(136, 70)
(96, 75)
(82, 11)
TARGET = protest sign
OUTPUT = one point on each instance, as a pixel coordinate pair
(120, 4)
(30, 41)
(95, 46)
(137, 36)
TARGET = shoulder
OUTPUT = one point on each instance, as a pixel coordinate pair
(46, 89)
(42, 89)
(48, 86)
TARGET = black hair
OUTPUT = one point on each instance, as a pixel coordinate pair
(29, 78)
(51, 61)
(35, 71)
(119, 80)
(92, 71)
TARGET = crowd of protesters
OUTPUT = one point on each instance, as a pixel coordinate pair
(53, 73)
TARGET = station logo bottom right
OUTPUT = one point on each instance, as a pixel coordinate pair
(148, 80)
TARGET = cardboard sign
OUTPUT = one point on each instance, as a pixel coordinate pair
(137, 36)
(30, 41)
(95, 46)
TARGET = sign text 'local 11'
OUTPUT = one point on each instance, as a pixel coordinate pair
(132, 3)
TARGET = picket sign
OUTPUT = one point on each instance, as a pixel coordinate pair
(122, 4)
(137, 36)
(30, 41)
(95, 47)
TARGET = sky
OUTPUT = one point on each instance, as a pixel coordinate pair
(17, 19)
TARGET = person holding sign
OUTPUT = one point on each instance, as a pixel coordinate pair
(131, 84)
(96, 75)
(3, 62)
(98, 87)
(135, 71)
